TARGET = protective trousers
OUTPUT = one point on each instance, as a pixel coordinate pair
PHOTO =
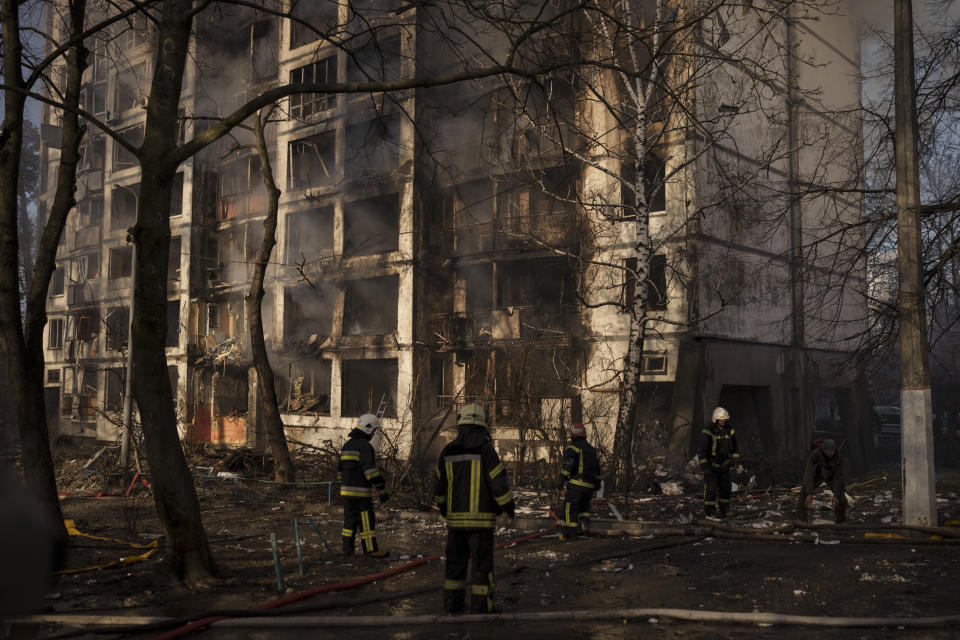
(576, 510)
(358, 519)
(839, 511)
(462, 545)
(717, 482)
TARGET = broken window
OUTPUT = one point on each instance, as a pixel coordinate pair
(113, 400)
(118, 326)
(88, 392)
(373, 146)
(469, 212)
(213, 318)
(93, 154)
(474, 204)
(121, 262)
(55, 333)
(56, 282)
(123, 212)
(122, 158)
(132, 87)
(241, 188)
(370, 306)
(173, 323)
(312, 161)
(371, 226)
(239, 175)
(319, 72)
(441, 378)
(309, 19)
(376, 61)
(238, 251)
(654, 187)
(221, 322)
(135, 32)
(309, 235)
(87, 323)
(263, 50)
(367, 384)
(85, 267)
(534, 283)
(308, 313)
(656, 283)
(93, 98)
(90, 212)
(53, 376)
(173, 264)
(309, 390)
(478, 281)
(89, 217)
(535, 299)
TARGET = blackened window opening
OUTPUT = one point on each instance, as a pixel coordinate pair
(371, 226)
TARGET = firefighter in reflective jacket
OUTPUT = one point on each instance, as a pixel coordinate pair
(718, 449)
(581, 471)
(471, 490)
(358, 475)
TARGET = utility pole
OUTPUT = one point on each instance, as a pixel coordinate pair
(916, 408)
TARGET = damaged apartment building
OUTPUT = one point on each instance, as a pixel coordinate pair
(433, 248)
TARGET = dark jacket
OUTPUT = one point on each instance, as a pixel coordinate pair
(820, 468)
(471, 487)
(718, 447)
(580, 467)
(358, 472)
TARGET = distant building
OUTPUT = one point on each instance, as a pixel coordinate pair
(428, 256)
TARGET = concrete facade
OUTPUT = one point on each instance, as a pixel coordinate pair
(424, 260)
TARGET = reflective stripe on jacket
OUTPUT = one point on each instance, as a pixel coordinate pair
(358, 471)
(471, 486)
(718, 447)
(580, 466)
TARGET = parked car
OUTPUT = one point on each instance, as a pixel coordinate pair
(886, 427)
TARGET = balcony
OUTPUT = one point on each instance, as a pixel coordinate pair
(87, 237)
(481, 326)
(241, 204)
(79, 294)
(547, 231)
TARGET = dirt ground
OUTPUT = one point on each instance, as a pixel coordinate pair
(851, 577)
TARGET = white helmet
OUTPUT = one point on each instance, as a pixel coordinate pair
(368, 423)
(720, 414)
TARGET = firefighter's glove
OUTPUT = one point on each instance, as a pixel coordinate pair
(706, 474)
(808, 501)
(559, 484)
(384, 496)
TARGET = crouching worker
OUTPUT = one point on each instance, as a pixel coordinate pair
(471, 490)
(358, 475)
(718, 450)
(581, 471)
(823, 465)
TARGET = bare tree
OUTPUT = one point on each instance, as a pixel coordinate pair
(22, 340)
(284, 470)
